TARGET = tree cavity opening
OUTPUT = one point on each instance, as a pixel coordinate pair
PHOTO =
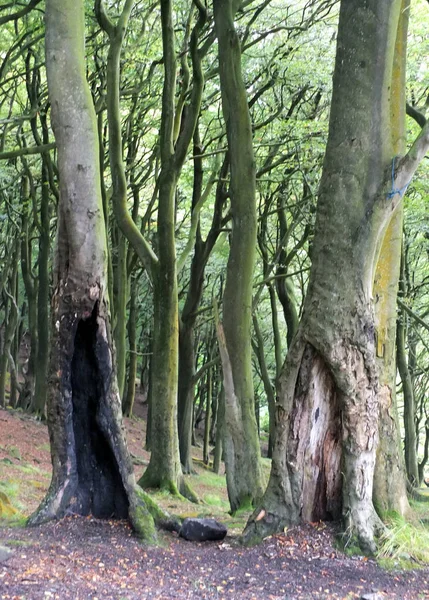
(100, 490)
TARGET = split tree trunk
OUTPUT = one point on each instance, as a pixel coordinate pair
(92, 469)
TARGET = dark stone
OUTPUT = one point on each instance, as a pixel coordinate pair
(202, 530)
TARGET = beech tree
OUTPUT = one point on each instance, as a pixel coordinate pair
(92, 469)
(328, 403)
(241, 444)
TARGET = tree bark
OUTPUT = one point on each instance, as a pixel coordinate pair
(202, 252)
(328, 403)
(92, 469)
(128, 401)
(241, 443)
(11, 321)
(43, 326)
(390, 491)
(164, 469)
(27, 391)
(410, 439)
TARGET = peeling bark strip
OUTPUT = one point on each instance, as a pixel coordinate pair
(316, 439)
(92, 470)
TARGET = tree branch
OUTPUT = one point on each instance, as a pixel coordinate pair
(412, 314)
(27, 151)
(409, 164)
(415, 114)
(20, 13)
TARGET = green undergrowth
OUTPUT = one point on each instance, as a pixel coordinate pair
(206, 477)
(405, 544)
(214, 500)
(10, 508)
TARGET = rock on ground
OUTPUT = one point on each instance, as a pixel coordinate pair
(202, 530)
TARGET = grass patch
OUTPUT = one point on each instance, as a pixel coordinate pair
(17, 520)
(10, 488)
(210, 479)
(213, 500)
(14, 452)
(31, 470)
(46, 447)
(404, 544)
(18, 543)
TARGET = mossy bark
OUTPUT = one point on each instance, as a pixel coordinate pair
(404, 370)
(328, 397)
(11, 321)
(389, 476)
(92, 470)
(30, 285)
(43, 325)
(129, 396)
(241, 443)
(164, 469)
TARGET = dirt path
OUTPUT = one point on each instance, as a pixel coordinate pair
(82, 559)
(87, 559)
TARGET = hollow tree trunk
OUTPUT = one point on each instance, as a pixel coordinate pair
(92, 469)
(328, 405)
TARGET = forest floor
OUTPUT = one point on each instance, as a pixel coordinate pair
(88, 559)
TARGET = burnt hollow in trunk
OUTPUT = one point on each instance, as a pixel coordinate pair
(100, 490)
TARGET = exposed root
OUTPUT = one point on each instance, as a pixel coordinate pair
(362, 531)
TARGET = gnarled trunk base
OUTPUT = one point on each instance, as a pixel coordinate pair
(324, 454)
(92, 469)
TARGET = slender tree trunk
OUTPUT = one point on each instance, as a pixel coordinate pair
(164, 469)
(27, 392)
(186, 393)
(11, 321)
(121, 296)
(219, 431)
(202, 252)
(241, 444)
(206, 448)
(43, 325)
(410, 439)
(284, 286)
(128, 401)
(268, 385)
